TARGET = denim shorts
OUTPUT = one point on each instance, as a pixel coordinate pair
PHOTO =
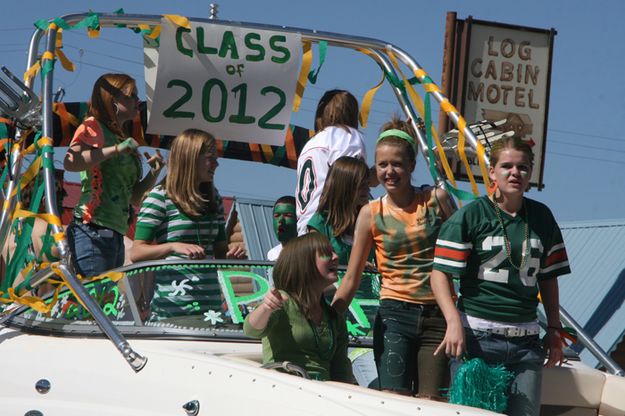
(94, 249)
(523, 356)
(405, 337)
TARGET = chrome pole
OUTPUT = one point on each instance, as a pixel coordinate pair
(48, 151)
(590, 343)
(135, 360)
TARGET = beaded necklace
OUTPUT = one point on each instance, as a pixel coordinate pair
(327, 354)
(526, 252)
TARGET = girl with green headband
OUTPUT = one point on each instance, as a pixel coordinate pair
(402, 226)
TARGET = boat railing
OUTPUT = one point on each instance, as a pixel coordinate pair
(384, 54)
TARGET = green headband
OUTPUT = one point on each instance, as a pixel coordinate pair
(400, 135)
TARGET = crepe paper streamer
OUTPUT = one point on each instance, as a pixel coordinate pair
(47, 66)
(323, 49)
(303, 74)
(31, 72)
(91, 22)
(428, 135)
(446, 106)
(430, 87)
(65, 62)
(452, 188)
(463, 155)
(568, 335)
(151, 32)
(178, 20)
(367, 100)
(418, 103)
(49, 218)
(477, 384)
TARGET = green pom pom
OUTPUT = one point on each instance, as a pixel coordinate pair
(477, 384)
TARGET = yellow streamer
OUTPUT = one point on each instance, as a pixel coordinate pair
(420, 73)
(267, 151)
(49, 218)
(418, 103)
(303, 74)
(367, 100)
(155, 31)
(29, 175)
(178, 20)
(32, 71)
(66, 63)
(45, 141)
(47, 55)
(448, 107)
(93, 32)
(462, 124)
(480, 158)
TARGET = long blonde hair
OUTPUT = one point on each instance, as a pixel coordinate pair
(296, 271)
(106, 91)
(182, 183)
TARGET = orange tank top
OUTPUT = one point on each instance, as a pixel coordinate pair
(404, 245)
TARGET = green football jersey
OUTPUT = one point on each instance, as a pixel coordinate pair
(471, 246)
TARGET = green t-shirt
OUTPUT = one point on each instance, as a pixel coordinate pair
(106, 189)
(471, 246)
(343, 249)
(320, 349)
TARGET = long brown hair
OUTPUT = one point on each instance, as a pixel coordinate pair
(340, 192)
(182, 182)
(105, 92)
(296, 271)
(336, 108)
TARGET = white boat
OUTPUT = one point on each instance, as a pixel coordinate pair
(68, 362)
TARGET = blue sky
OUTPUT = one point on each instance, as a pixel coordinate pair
(585, 159)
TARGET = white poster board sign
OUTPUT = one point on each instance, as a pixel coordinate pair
(236, 83)
(507, 77)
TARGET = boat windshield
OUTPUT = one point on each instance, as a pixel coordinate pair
(190, 299)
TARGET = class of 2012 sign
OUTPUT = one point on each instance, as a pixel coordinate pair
(235, 83)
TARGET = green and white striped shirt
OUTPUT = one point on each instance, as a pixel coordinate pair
(185, 290)
(160, 220)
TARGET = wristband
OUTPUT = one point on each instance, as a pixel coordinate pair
(116, 149)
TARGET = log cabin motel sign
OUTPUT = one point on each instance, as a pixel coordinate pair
(495, 71)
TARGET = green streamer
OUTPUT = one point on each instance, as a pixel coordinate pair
(428, 135)
(458, 193)
(323, 49)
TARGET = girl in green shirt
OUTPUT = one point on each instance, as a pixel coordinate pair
(294, 320)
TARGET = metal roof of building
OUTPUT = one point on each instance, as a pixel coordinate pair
(256, 216)
(594, 293)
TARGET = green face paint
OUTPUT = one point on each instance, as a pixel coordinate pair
(284, 222)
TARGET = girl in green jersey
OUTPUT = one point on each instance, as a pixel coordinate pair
(503, 248)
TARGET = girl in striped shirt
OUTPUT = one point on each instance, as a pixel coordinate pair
(185, 219)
